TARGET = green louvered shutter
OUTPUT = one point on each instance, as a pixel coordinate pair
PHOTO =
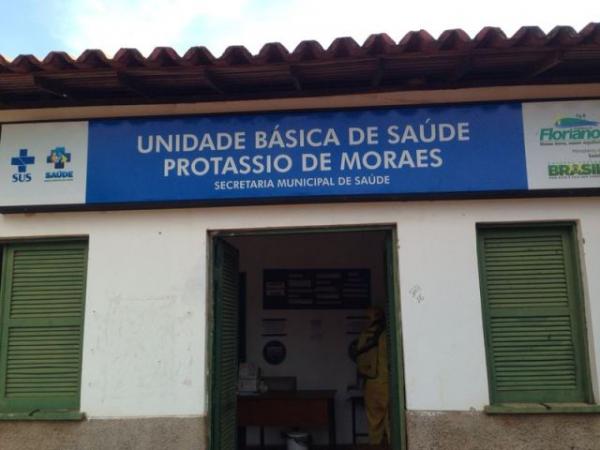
(225, 348)
(43, 290)
(532, 310)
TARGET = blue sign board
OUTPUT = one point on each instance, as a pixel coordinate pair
(348, 153)
(391, 152)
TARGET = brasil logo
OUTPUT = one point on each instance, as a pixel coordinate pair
(571, 128)
(59, 157)
(574, 170)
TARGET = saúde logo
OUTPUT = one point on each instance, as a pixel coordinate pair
(59, 158)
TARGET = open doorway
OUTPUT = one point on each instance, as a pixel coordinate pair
(289, 309)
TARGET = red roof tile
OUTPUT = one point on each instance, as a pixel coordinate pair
(417, 61)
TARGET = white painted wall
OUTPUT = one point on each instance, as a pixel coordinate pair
(145, 324)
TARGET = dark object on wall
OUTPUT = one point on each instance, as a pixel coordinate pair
(316, 288)
(274, 352)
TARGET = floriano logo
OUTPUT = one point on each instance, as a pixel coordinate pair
(575, 128)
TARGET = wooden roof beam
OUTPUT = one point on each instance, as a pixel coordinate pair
(50, 86)
(379, 72)
(461, 69)
(294, 74)
(132, 84)
(211, 80)
(550, 62)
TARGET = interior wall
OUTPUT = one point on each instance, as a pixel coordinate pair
(145, 330)
(316, 340)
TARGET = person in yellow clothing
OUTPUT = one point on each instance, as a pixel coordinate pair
(373, 366)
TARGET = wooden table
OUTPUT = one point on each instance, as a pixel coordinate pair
(309, 409)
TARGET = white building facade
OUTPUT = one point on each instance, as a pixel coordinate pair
(147, 296)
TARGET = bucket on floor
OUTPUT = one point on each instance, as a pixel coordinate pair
(297, 440)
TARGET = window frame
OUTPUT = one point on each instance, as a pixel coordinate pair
(46, 412)
(579, 298)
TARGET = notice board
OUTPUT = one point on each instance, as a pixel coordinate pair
(316, 288)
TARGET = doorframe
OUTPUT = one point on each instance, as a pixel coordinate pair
(392, 278)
